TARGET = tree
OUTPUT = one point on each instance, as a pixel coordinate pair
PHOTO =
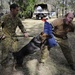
(72, 5)
(57, 4)
(26, 7)
(62, 5)
(29, 8)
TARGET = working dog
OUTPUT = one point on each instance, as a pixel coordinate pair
(33, 46)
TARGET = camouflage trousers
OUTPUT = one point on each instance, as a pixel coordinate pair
(64, 45)
(65, 49)
(8, 45)
(44, 54)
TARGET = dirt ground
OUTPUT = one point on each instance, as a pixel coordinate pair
(55, 64)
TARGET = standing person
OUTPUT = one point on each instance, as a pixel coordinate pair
(9, 24)
(61, 27)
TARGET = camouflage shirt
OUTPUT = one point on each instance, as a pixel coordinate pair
(9, 25)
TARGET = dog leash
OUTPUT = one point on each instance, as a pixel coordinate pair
(22, 36)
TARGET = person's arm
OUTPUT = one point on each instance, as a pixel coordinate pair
(23, 30)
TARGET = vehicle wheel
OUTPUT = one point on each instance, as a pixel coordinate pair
(37, 17)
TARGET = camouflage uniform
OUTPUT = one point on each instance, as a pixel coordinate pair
(9, 25)
(60, 32)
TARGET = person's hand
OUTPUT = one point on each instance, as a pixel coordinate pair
(2, 37)
(26, 34)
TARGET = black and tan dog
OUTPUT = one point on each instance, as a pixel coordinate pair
(34, 45)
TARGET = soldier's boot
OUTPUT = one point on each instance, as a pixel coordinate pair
(44, 54)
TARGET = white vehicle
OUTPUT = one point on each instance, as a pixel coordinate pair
(40, 11)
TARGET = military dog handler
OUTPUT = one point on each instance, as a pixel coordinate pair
(9, 24)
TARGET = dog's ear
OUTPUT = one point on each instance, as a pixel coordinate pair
(42, 33)
(45, 35)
